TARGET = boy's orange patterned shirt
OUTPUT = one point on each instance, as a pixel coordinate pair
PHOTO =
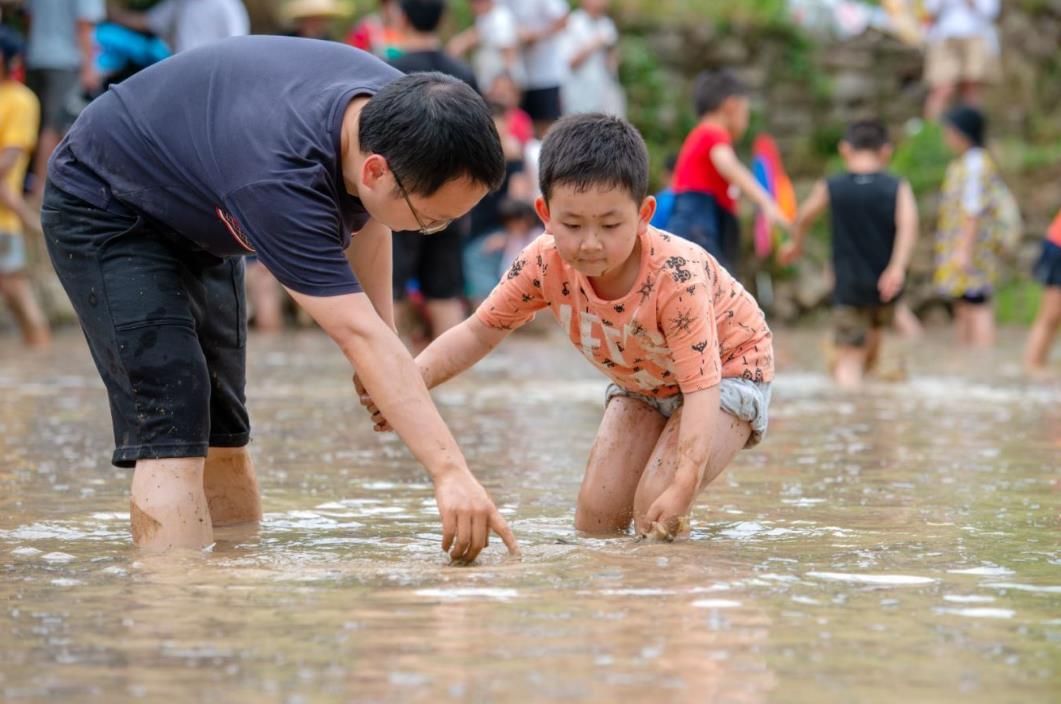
(684, 325)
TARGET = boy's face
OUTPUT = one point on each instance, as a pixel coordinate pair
(481, 7)
(737, 110)
(595, 229)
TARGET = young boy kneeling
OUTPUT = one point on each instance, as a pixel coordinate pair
(686, 348)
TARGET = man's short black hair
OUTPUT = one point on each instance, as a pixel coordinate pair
(714, 86)
(867, 135)
(424, 15)
(594, 150)
(432, 128)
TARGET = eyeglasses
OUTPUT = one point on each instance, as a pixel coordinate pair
(424, 229)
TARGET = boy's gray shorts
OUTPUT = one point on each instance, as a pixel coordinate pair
(743, 399)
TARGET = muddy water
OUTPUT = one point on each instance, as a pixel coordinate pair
(901, 545)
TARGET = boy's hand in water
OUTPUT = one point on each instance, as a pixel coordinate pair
(890, 283)
(669, 512)
(380, 424)
(468, 516)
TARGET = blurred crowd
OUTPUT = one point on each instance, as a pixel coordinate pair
(533, 61)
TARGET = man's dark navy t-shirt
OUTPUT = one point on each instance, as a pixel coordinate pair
(235, 146)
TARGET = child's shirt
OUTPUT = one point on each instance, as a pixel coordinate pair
(862, 213)
(696, 173)
(19, 121)
(1054, 233)
(683, 326)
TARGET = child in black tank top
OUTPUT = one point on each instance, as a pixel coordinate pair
(874, 229)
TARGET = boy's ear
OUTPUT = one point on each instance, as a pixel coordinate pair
(886, 153)
(845, 149)
(648, 209)
(542, 208)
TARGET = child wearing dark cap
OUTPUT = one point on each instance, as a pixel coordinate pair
(969, 234)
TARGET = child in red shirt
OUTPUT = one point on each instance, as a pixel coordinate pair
(709, 177)
(686, 348)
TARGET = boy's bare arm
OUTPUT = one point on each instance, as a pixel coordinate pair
(371, 257)
(457, 350)
(727, 163)
(395, 384)
(906, 227)
(816, 204)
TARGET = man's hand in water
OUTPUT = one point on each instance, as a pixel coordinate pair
(468, 516)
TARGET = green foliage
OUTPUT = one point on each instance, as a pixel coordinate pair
(922, 159)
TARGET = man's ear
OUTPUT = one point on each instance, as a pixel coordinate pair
(373, 170)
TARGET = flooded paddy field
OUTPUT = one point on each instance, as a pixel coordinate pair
(902, 544)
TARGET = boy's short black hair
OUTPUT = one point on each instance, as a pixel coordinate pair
(424, 15)
(671, 162)
(867, 135)
(594, 150)
(432, 128)
(512, 209)
(712, 87)
(11, 46)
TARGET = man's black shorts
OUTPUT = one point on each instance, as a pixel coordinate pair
(165, 322)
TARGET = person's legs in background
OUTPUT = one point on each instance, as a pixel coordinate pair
(17, 292)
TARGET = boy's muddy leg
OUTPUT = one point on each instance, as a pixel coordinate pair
(231, 487)
(627, 435)
(18, 294)
(168, 507)
(728, 436)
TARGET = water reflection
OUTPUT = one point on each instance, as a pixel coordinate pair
(899, 544)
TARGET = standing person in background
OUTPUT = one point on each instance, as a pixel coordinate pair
(592, 43)
(187, 24)
(379, 32)
(495, 39)
(60, 63)
(709, 176)
(436, 261)
(1044, 329)
(312, 19)
(19, 122)
(968, 237)
(874, 231)
(541, 26)
(962, 51)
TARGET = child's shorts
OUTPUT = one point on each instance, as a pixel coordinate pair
(741, 398)
(852, 324)
(1048, 270)
(12, 253)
